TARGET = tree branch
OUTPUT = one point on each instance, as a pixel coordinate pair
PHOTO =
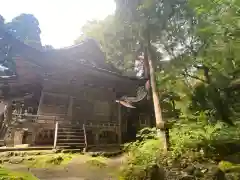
(194, 77)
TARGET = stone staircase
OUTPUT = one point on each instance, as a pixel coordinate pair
(70, 137)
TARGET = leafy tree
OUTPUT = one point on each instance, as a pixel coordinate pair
(113, 40)
(202, 47)
(152, 21)
(211, 62)
(25, 27)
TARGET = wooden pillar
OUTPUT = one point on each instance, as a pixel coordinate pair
(119, 124)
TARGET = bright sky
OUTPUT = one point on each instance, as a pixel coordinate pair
(60, 20)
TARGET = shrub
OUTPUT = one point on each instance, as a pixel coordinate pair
(142, 136)
(193, 141)
(211, 139)
(143, 157)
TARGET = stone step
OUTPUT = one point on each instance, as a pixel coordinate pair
(71, 147)
(70, 129)
(80, 136)
(66, 139)
(77, 132)
(70, 144)
(70, 134)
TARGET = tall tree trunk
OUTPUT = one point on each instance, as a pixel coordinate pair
(162, 131)
(160, 124)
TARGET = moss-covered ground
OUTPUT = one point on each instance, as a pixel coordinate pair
(6, 174)
(64, 165)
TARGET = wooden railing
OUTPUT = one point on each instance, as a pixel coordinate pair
(55, 135)
(85, 137)
(45, 119)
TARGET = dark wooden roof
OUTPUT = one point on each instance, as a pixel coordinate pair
(87, 54)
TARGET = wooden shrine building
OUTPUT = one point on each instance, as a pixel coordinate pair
(69, 98)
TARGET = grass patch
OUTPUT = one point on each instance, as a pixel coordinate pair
(6, 174)
(44, 161)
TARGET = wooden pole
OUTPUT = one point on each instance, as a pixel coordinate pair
(56, 134)
(119, 124)
(85, 138)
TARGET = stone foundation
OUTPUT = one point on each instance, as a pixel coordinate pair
(19, 136)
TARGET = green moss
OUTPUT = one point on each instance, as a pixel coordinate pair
(50, 160)
(98, 162)
(227, 166)
(6, 174)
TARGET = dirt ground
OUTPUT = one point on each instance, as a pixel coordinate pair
(78, 168)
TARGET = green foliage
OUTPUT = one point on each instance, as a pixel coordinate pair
(119, 47)
(142, 161)
(43, 161)
(142, 136)
(146, 133)
(25, 27)
(227, 166)
(211, 139)
(193, 141)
